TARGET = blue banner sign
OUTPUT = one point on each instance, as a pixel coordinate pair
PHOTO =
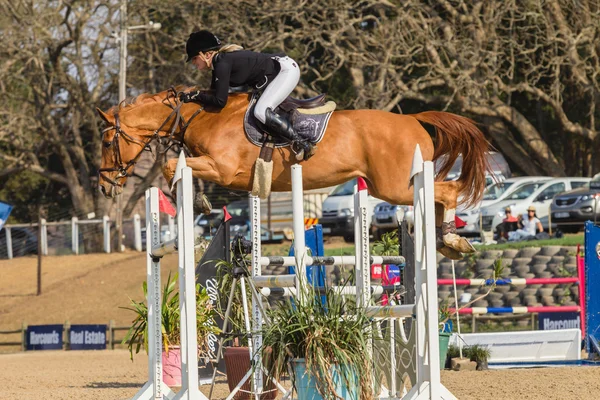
(44, 337)
(559, 320)
(88, 337)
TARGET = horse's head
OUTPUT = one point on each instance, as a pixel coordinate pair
(130, 130)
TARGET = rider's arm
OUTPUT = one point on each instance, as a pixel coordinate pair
(220, 86)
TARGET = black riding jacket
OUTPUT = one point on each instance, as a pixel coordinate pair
(238, 68)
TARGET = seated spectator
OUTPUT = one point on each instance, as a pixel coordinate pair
(509, 224)
(529, 226)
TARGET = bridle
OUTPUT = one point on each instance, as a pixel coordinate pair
(123, 167)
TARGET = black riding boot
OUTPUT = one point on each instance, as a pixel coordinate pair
(282, 127)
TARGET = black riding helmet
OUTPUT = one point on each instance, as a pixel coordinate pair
(201, 41)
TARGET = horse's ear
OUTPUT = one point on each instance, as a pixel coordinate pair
(109, 119)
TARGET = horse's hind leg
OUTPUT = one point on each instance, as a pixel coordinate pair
(450, 243)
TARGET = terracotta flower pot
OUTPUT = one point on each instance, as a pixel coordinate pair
(237, 364)
(172, 366)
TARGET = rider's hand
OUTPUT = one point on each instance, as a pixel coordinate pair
(186, 97)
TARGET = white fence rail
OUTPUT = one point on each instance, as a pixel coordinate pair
(68, 237)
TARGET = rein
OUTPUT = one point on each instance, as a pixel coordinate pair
(123, 168)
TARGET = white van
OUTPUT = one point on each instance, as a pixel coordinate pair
(338, 211)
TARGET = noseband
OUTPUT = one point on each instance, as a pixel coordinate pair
(123, 168)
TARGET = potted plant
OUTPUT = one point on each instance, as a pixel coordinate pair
(137, 335)
(445, 331)
(478, 353)
(324, 345)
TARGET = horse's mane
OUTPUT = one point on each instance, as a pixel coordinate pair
(132, 102)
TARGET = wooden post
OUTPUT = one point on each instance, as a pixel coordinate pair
(23, 336)
(67, 335)
(111, 334)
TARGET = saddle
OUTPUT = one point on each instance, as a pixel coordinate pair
(308, 117)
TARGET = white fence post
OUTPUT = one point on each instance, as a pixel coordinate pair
(137, 232)
(75, 235)
(106, 230)
(44, 236)
(9, 252)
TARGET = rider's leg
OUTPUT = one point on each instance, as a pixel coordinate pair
(275, 93)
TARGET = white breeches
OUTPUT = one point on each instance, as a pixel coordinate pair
(279, 89)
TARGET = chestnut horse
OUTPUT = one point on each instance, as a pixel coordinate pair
(372, 144)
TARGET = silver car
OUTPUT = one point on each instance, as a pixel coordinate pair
(570, 210)
(387, 217)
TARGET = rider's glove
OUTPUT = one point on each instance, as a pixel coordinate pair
(186, 97)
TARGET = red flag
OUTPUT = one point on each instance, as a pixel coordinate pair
(459, 222)
(164, 205)
(226, 216)
(361, 183)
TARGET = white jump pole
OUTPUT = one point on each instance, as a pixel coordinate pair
(257, 318)
(155, 388)
(298, 227)
(428, 384)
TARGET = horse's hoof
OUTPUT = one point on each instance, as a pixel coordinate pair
(450, 253)
(202, 204)
(458, 243)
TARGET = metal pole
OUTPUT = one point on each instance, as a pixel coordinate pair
(122, 94)
(550, 220)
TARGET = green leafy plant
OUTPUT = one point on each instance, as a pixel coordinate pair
(333, 334)
(137, 335)
(444, 314)
(478, 353)
(387, 246)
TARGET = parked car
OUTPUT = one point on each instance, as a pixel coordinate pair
(538, 194)
(338, 211)
(387, 217)
(571, 209)
(207, 225)
(493, 193)
(24, 242)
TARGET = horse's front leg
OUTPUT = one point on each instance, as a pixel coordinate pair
(203, 167)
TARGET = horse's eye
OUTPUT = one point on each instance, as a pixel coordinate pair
(107, 144)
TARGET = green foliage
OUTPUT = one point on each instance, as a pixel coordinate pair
(137, 335)
(387, 246)
(336, 333)
(475, 352)
(568, 240)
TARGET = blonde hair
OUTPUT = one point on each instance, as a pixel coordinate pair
(228, 48)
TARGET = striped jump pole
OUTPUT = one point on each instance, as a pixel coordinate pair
(580, 280)
(515, 310)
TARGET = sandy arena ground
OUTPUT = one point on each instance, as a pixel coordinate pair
(102, 375)
(92, 288)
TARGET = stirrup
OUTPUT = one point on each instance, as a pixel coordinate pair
(300, 153)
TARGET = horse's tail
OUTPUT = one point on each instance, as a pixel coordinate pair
(456, 135)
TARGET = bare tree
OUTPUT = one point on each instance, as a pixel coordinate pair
(529, 71)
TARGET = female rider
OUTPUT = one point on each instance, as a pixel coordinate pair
(233, 66)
